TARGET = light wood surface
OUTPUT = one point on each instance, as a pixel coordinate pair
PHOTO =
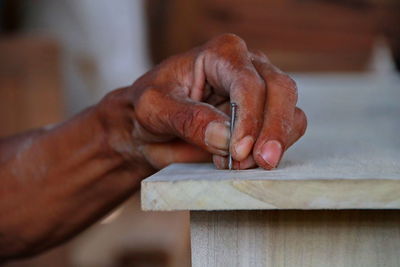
(201, 187)
(349, 157)
(295, 238)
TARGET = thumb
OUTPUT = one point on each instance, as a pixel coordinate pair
(195, 122)
(160, 155)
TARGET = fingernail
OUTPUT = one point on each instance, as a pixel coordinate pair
(220, 162)
(217, 135)
(271, 152)
(243, 147)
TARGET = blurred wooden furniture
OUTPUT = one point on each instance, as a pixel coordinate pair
(389, 22)
(343, 179)
(297, 35)
(135, 238)
(30, 84)
(30, 97)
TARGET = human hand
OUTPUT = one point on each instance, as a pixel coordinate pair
(181, 108)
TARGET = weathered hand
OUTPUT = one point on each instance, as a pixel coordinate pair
(82, 168)
(181, 107)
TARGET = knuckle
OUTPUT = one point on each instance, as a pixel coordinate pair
(249, 81)
(148, 111)
(185, 122)
(232, 39)
(228, 41)
(285, 82)
(181, 121)
(113, 97)
(147, 100)
(149, 95)
(259, 55)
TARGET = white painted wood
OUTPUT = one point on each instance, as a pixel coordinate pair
(349, 157)
(295, 238)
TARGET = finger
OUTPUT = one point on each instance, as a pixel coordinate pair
(229, 70)
(247, 163)
(299, 127)
(197, 123)
(221, 162)
(160, 155)
(224, 107)
(278, 117)
(249, 94)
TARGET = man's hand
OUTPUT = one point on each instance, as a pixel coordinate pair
(60, 180)
(181, 108)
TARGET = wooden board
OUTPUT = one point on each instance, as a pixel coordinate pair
(201, 187)
(295, 238)
(348, 159)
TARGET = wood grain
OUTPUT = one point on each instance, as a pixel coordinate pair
(295, 238)
(201, 187)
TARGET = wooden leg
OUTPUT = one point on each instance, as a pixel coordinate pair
(295, 238)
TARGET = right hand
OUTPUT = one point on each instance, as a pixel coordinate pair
(181, 108)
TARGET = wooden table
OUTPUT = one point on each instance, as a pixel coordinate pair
(333, 201)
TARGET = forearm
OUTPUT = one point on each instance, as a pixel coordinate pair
(54, 183)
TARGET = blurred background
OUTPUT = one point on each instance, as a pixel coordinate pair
(60, 56)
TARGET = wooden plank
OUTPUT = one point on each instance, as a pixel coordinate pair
(349, 158)
(295, 238)
(201, 187)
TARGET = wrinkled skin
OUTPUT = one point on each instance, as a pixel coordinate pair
(56, 182)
